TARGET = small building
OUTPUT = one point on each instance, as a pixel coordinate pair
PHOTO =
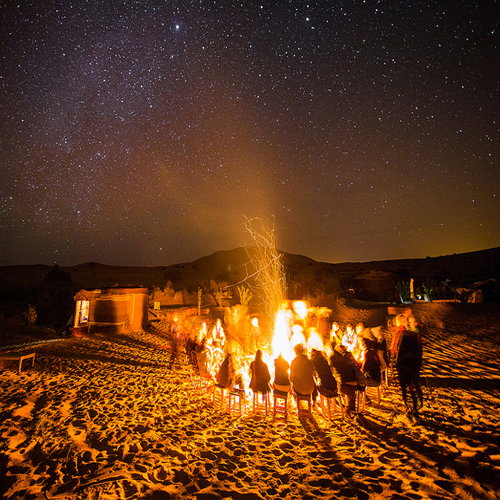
(372, 285)
(117, 308)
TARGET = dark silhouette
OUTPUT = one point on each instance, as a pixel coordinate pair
(408, 361)
(259, 372)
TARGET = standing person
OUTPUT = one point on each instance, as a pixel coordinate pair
(176, 345)
(203, 360)
(400, 325)
(408, 361)
(69, 324)
(259, 372)
(381, 348)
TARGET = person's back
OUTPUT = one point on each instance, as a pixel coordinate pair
(324, 372)
(302, 374)
(225, 376)
(409, 353)
(371, 365)
(408, 365)
(260, 374)
(343, 363)
(281, 376)
(346, 367)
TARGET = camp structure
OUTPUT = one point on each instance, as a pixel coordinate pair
(119, 309)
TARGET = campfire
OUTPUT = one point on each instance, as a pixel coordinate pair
(293, 324)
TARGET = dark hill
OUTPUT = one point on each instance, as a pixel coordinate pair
(232, 266)
(22, 285)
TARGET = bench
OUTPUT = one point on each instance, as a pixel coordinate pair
(18, 358)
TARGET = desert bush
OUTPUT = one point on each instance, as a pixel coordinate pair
(428, 287)
(245, 295)
(403, 289)
(31, 314)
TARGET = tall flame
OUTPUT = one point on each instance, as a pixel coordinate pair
(280, 342)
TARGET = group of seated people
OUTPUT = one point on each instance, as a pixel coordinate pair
(350, 361)
(353, 338)
(203, 355)
(311, 375)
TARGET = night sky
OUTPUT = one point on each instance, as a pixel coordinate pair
(143, 133)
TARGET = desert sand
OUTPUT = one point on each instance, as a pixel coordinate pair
(102, 417)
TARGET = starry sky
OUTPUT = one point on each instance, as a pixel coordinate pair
(145, 133)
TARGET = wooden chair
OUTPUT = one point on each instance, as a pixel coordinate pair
(303, 398)
(360, 401)
(326, 403)
(218, 397)
(236, 400)
(261, 401)
(201, 384)
(379, 392)
(360, 397)
(280, 408)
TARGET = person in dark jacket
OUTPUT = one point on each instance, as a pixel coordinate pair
(259, 372)
(371, 366)
(347, 369)
(328, 385)
(226, 377)
(302, 373)
(281, 374)
(408, 354)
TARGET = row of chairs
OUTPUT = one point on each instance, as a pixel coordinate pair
(234, 400)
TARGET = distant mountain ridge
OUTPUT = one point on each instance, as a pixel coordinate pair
(232, 267)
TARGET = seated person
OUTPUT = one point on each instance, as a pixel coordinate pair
(350, 338)
(203, 360)
(227, 374)
(281, 377)
(336, 334)
(328, 385)
(259, 372)
(302, 373)
(371, 366)
(347, 369)
(381, 347)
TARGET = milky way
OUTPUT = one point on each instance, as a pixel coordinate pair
(145, 132)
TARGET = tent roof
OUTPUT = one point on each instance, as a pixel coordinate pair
(108, 292)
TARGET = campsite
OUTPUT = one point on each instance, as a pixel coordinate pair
(100, 415)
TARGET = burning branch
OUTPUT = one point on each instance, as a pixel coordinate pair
(268, 265)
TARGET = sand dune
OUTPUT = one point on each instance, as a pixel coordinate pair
(102, 417)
